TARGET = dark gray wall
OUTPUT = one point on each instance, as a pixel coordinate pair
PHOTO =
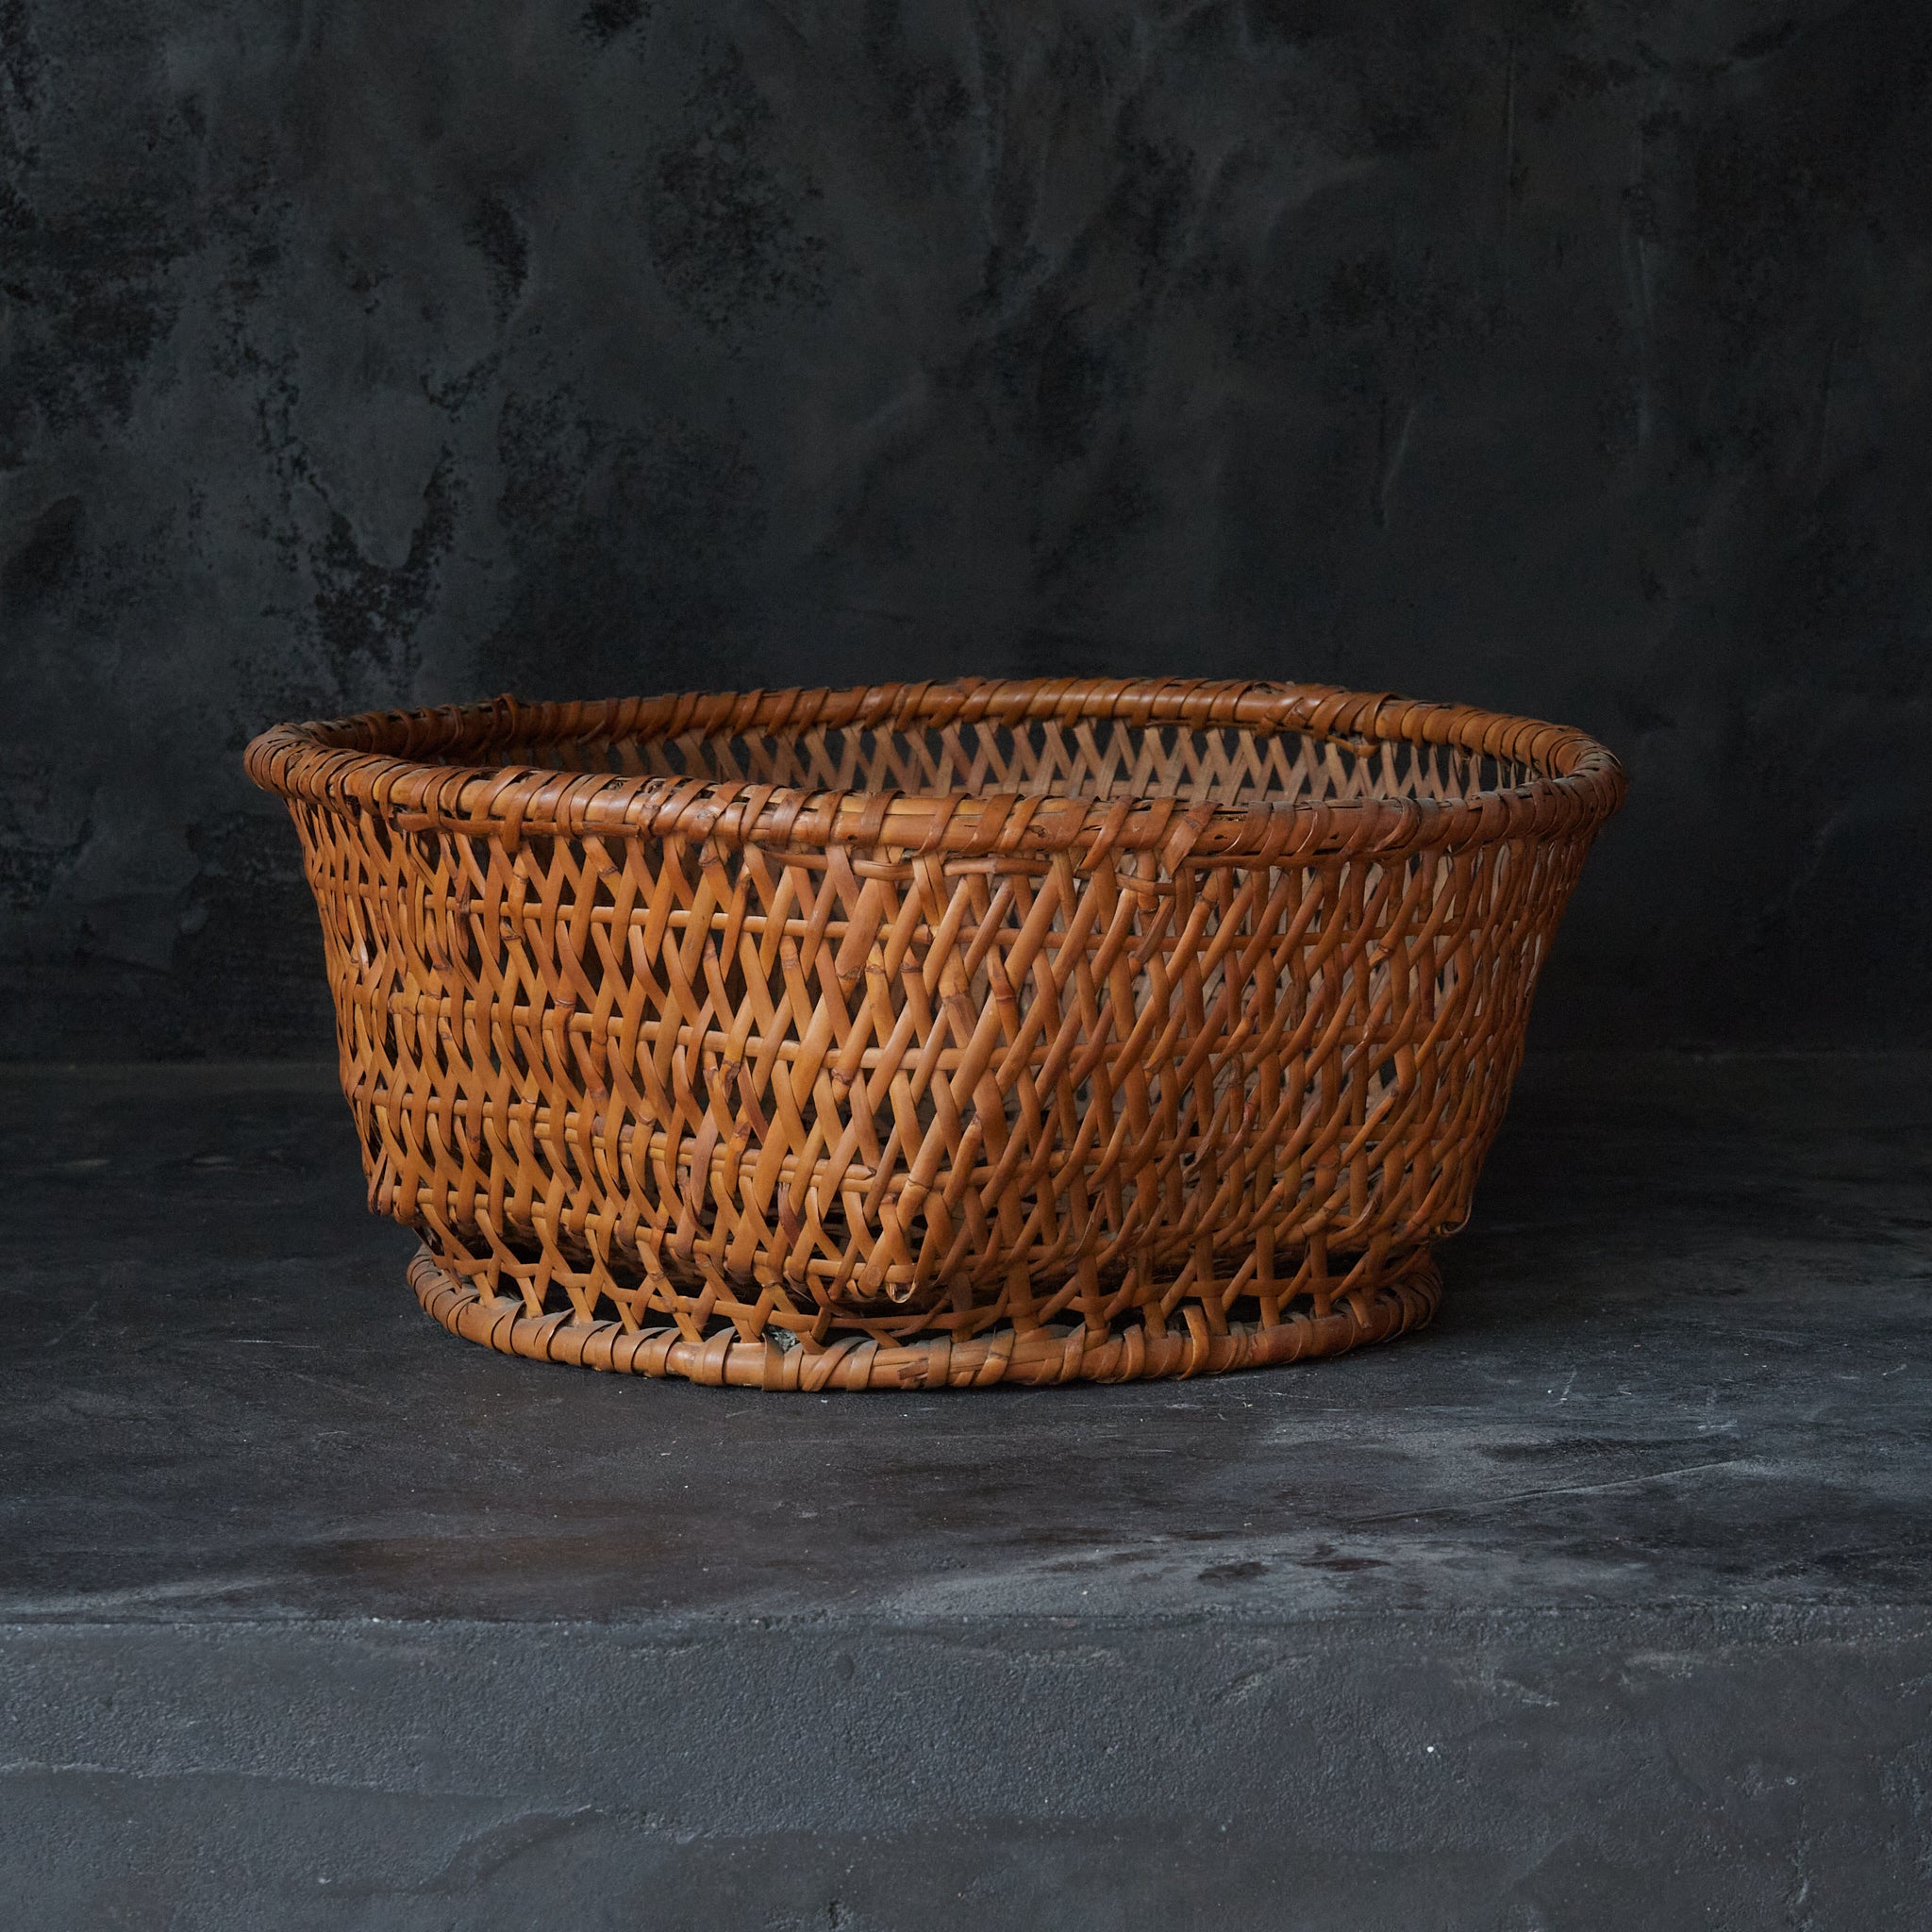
(1564, 356)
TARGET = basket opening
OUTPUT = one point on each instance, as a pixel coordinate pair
(1100, 758)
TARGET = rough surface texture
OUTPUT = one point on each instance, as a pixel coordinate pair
(1561, 358)
(1604, 1602)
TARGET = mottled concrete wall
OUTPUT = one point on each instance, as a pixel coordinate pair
(1566, 356)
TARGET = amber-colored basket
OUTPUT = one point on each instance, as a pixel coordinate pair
(936, 1035)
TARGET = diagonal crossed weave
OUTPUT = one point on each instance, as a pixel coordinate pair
(934, 1035)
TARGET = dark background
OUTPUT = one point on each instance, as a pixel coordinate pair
(1564, 358)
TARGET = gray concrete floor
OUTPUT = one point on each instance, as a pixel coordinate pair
(1602, 1603)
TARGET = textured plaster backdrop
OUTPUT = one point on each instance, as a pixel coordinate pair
(1566, 356)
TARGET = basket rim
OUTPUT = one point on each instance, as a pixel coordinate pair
(386, 761)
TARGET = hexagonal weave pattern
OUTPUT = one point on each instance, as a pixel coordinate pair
(934, 1035)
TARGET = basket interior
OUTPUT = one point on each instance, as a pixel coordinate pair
(1101, 759)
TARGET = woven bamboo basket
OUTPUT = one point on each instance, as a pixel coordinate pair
(937, 1035)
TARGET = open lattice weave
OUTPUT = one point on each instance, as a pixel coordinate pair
(941, 1034)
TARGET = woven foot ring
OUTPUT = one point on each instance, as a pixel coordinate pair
(1403, 1298)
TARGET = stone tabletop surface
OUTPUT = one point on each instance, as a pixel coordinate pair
(1682, 1361)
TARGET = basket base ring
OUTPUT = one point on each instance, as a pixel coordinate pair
(1405, 1297)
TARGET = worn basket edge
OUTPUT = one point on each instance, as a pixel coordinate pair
(384, 761)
